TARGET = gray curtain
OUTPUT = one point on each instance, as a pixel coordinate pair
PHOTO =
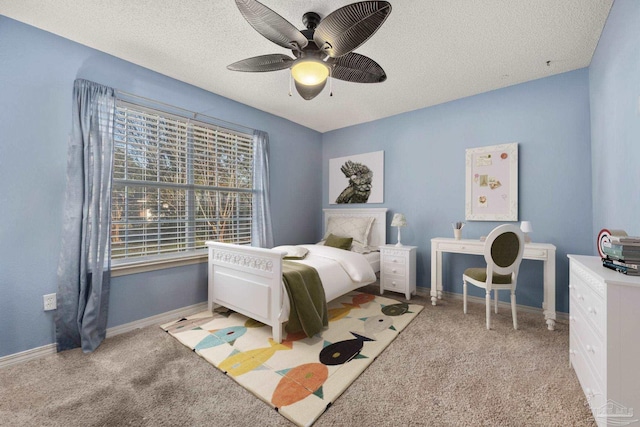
(261, 232)
(84, 265)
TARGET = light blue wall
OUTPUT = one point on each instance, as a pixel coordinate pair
(614, 82)
(37, 71)
(424, 154)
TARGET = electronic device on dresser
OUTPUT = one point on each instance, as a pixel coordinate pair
(604, 339)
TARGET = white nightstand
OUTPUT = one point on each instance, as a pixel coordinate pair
(398, 269)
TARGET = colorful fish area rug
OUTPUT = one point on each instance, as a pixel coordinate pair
(302, 376)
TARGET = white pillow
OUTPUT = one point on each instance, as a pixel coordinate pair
(362, 249)
(292, 252)
(356, 227)
(357, 247)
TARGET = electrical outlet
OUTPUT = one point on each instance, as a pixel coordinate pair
(49, 302)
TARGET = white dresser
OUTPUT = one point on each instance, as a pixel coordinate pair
(604, 339)
(398, 269)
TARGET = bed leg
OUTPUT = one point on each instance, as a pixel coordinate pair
(277, 333)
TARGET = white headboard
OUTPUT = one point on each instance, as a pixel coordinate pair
(378, 234)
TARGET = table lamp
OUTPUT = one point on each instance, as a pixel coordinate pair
(526, 228)
(398, 221)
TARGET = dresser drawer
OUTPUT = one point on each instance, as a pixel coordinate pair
(593, 305)
(394, 282)
(593, 389)
(391, 268)
(589, 344)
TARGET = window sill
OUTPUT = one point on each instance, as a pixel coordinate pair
(124, 268)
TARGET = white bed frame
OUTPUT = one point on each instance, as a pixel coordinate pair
(248, 280)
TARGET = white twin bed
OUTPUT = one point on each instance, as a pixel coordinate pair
(248, 280)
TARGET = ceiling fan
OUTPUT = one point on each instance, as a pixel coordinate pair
(323, 49)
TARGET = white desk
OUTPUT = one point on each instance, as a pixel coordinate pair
(544, 252)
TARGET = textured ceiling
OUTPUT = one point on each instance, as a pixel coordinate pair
(433, 51)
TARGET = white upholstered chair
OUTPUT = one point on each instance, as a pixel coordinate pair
(503, 251)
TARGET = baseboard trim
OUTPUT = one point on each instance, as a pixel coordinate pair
(45, 350)
(27, 355)
(157, 319)
(426, 293)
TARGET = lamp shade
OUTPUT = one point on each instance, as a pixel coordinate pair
(526, 227)
(398, 220)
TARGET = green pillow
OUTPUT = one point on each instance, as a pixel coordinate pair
(339, 242)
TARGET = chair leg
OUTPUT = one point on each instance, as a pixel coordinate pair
(488, 304)
(513, 310)
(495, 299)
(464, 296)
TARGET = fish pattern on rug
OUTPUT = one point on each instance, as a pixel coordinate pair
(301, 376)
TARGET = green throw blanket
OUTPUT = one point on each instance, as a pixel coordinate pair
(308, 304)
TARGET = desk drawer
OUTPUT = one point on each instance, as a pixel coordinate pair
(530, 253)
(463, 247)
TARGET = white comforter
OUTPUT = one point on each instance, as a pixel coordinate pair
(340, 271)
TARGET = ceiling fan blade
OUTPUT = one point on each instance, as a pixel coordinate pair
(348, 27)
(271, 25)
(273, 62)
(309, 92)
(357, 68)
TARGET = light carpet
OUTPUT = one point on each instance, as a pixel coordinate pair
(301, 377)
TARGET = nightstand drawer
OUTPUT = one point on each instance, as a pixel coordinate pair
(393, 282)
(390, 268)
(394, 259)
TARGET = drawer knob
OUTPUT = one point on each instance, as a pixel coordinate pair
(394, 260)
(393, 284)
(394, 270)
(591, 349)
(591, 310)
(580, 297)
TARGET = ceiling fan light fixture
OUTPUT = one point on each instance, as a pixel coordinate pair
(310, 72)
(323, 51)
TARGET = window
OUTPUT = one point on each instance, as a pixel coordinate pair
(177, 183)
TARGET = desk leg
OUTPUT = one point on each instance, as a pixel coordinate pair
(436, 276)
(549, 304)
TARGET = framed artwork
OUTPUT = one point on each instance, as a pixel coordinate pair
(357, 179)
(492, 183)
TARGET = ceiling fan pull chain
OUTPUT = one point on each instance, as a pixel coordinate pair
(330, 81)
(290, 73)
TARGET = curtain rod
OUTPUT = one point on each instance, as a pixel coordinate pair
(195, 114)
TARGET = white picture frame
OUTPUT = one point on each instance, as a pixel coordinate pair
(492, 183)
(357, 179)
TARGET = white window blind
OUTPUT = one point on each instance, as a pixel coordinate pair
(177, 183)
